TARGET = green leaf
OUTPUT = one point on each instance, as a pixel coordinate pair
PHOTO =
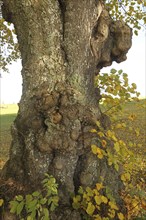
(80, 191)
(55, 199)
(32, 205)
(120, 71)
(33, 214)
(13, 205)
(36, 193)
(28, 198)
(53, 207)
(76, 205)
(19, 198)
(43, 201)
(20, 208)
(136, 32)
(46, 214)
(29, 218)
(113, 71)
(49, 200)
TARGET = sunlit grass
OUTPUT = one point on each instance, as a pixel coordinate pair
(7, 116)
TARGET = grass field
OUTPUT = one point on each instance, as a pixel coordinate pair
(138, 110)
(8, 114)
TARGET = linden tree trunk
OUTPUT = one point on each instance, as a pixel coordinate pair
(63, 45)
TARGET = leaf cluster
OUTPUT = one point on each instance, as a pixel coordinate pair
(92, 202)
(37, 205)
(8, 44)
(116, 92)
(131, 12)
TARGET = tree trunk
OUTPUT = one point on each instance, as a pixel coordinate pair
(63, 44)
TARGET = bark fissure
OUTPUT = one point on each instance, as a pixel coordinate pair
(63, 9)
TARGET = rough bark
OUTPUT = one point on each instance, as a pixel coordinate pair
(63, 45)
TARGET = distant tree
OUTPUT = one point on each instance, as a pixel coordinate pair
(63, 45)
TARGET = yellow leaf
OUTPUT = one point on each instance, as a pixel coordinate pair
(111, 134)
(86, 197)
(114, 137)
(137, 132)
(101, 134)
(99, 186)
(1, 202)
(98, 200)
(98, 150)
(117, 146)
(90, 209)
(93, 131)
(113, 205)
(125, 177)
(132, 117)
(135, 203)
(143, 204)
(119, 125)
(104, 199)
(116, 166)
(97, 217)
(120, 216)
(95, 191)
(100, 156)
(77, 198)
(104, 143)
(89, 191)
(94, 149)
(111, 213)
(98, 124)
(123, 125)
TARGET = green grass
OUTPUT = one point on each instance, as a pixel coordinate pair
(7, 116)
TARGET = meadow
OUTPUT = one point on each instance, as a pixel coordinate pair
(7, 116)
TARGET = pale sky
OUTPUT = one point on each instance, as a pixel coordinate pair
(134, 66)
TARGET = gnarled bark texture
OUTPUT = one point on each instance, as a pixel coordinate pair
(63, 44)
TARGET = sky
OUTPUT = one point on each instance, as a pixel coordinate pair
(134, 66)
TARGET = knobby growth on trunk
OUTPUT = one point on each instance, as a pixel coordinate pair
(63, 45)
